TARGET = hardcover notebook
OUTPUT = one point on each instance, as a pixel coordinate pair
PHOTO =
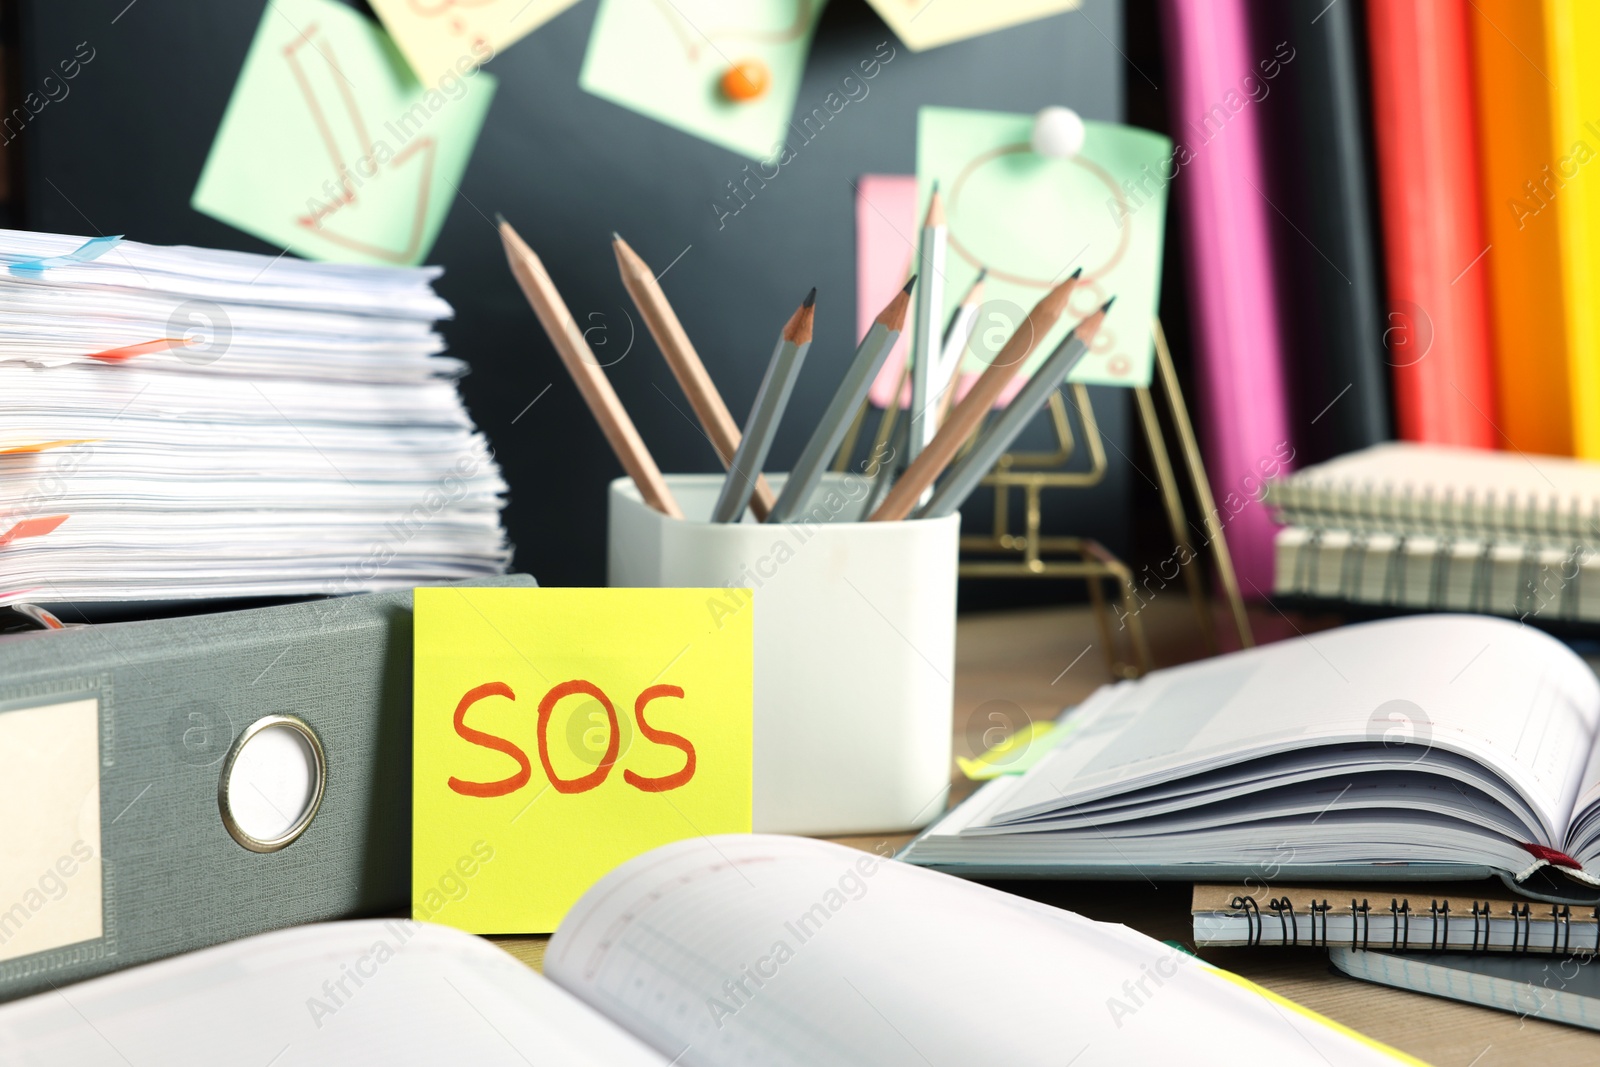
(714, 951)
(1437, 747)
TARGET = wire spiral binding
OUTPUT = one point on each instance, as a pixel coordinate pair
(1400, 913)
(1543, 585)
(1402, 507)
(1252, 917)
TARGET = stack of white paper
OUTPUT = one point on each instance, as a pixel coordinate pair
(184, 422)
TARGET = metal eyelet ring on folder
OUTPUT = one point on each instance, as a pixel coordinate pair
(319, 770)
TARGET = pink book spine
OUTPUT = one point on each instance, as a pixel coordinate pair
(1233, 309)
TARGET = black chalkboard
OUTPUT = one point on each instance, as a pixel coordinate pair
(122, 153)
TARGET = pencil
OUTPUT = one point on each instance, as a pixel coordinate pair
(586, 373)
(965, 416)
(969, 470)
(926, 350)
(696, 383)
(890, 458)
(765, 413)
(852, 391)
(963, 321)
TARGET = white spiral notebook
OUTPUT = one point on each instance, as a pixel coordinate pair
(1428, 527)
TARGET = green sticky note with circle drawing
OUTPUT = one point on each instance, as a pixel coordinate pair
(1032, 220)
(331, 147)
(665, 59)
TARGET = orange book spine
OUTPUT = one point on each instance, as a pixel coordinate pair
(1517, 154)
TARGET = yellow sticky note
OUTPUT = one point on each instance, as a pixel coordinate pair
(437, 36)
(559, 732)
(929, 23)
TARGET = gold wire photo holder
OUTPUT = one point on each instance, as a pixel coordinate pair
(1031, 553)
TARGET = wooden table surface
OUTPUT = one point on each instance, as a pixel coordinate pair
(1042, 660)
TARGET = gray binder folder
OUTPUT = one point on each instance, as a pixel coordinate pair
(130, 764)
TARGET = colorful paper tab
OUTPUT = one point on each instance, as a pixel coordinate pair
(666, 59)
(1032, 220)
(441, 38)
(1018, 752)
(90, 250)
(929, 23)
(127, 352)
(331, 147)
(36, 527)
(29, 448)
(559, 732)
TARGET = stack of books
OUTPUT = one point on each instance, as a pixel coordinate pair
(187, 423)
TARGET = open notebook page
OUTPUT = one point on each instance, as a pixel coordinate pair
(320, 996)
(777, 950)
(1513, 699)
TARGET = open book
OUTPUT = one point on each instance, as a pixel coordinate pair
(1435, 747)
(713, 951)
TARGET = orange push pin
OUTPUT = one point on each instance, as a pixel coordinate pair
(746, 80)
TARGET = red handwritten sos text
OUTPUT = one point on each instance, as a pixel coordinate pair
(582, 783)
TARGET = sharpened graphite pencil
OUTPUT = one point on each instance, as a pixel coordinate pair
(966, 416)
(969, 470)
(869, 359)
(765, 413)
(926, 347)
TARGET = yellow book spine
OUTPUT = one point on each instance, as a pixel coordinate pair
(1572, 38)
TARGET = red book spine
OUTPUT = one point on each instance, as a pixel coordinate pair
(1437, 333)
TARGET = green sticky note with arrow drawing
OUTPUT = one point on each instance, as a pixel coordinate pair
(331, 147)
(1031, 220)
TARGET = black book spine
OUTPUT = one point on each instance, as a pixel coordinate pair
(1318, 164)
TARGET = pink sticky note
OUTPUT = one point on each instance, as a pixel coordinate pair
(886, 246)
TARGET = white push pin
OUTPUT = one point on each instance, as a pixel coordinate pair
(1058, 133)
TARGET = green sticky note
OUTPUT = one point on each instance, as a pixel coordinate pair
(1032, 220)
(666, 58)
(561, 732)
(331, 147)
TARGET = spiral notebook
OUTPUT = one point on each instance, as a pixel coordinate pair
(1559, 990)
(1427, 918)
(1429, 527)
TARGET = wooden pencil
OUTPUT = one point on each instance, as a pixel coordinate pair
(586, 373)
(970, 469)
(852, 392)
(965, 416)
(963, 321)
(771, 399)
(693, 379)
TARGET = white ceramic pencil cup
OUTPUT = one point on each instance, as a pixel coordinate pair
(854, 645)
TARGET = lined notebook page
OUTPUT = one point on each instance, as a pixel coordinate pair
(1514, 699)
(320, 996)
(775, 950)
